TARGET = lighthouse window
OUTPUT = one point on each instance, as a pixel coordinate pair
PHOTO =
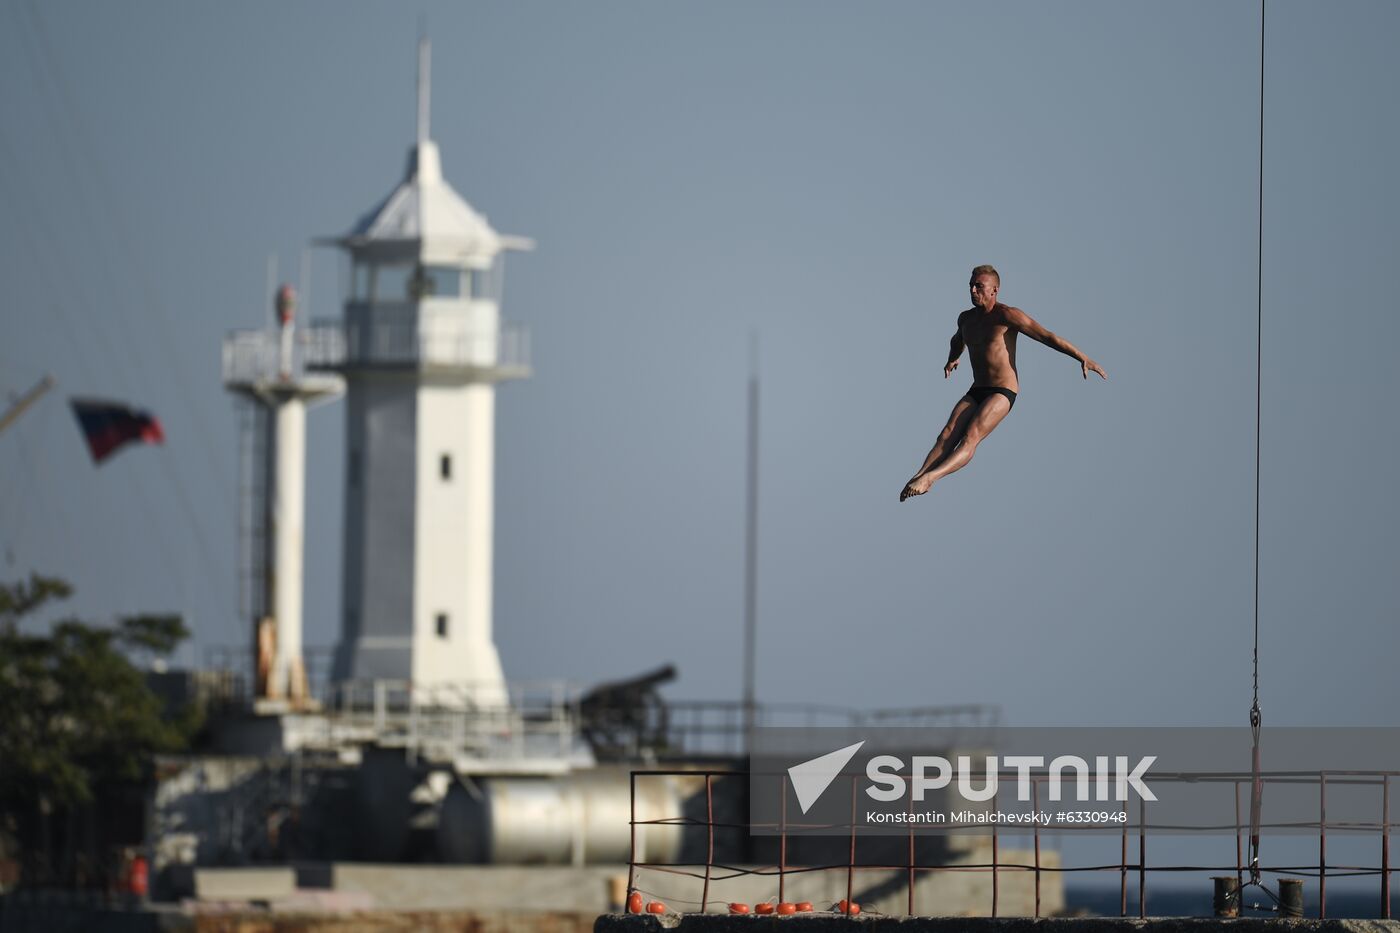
(411, 282)
(444, 281)
(360, 281)
(391, 283)
(442, 625)
(445, 466)
(486, 283)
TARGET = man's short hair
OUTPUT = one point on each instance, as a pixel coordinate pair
(986, 270)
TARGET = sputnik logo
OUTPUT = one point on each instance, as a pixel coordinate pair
(810, 779)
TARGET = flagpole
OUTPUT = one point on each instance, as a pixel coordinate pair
(24, 401)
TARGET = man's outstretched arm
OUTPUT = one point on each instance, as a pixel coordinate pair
(1033, 329)
(955, 349)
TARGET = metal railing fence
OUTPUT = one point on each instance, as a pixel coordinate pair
(1380, 828)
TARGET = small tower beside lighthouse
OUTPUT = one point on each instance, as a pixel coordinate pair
(267, 368)
(421, 348)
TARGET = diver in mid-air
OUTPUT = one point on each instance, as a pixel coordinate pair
(988, 330)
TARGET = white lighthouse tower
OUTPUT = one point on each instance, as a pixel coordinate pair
(421, 349)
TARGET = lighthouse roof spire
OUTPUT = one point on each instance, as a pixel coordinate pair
(424, 217)
(425, 78)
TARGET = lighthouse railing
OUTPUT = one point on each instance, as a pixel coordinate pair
(502, 352)
(255, 356)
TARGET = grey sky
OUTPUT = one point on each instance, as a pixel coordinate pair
(825, 174)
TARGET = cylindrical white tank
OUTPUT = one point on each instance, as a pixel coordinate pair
(581, 818)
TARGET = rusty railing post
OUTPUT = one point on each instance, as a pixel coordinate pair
(782, 841)
(1322, 847)
(632, 849)
(1035, 829)
(851, 862)
(1142, 858)
(909, 908)
(1239, 842)
(1123, 867)
(1385, 847)
(996, 868)
(710, 827)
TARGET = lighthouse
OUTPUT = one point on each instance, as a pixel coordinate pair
(421, 348)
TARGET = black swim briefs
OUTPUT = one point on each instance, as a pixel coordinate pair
(980, 394)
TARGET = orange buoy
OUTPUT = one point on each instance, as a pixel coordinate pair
(634, 902)
(737, 908)
(786, 908)
(849, 908)
(655, 907)
(765, 908)
(803, 906)
(138, 877)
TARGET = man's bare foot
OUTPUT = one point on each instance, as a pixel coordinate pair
(916, 486)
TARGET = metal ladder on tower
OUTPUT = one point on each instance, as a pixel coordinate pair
(252, 512)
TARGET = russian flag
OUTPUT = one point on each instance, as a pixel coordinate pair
(107, 426)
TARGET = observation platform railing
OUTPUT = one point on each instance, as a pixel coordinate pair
(253, 357)
(495, 355)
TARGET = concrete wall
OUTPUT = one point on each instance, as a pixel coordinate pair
(489, 888)
(204, 808)
(936, 893)
(829, 923)
(587, 889)
(57, 918)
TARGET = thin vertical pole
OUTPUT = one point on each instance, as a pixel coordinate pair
(782, 841)
(751, 557)
(909, 908)
(1123, 867)
(996, 872)
(304, 289)
(1035, 809)
(272, 264)
(710, 828)
(1259, 351)
(632, 850)
(1385, 847)
(851, 862)
(1322, 848)
(1256, 716)
(1142, 858)
(1239, 842)
(424, 87)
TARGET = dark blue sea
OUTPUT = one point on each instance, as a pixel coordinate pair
(1180, 901)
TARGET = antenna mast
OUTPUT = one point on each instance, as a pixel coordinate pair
(424, 86)
(751, 560)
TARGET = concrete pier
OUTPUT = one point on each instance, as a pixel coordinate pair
(60, 918)
(832, 923)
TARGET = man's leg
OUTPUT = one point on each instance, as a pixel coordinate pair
(984, 421)
(948, 439)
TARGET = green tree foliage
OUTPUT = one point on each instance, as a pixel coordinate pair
(152, 634)
(75, 713)
(20, 599)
